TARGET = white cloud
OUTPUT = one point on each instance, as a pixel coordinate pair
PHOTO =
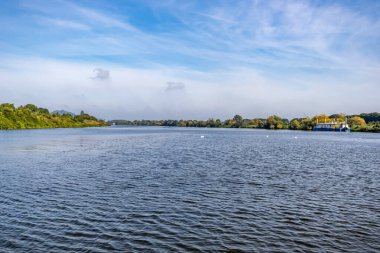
(138, 93)
(254, 58)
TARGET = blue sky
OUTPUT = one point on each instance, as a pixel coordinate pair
(191, 59)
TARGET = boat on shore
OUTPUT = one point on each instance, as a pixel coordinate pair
(332, 126)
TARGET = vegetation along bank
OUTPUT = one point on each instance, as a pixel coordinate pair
(365, 122)
(31, 116)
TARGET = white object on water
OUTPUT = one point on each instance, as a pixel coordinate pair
(267, 136)
(202, 136)
(295, 137)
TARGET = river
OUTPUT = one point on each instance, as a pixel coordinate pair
(155, 189)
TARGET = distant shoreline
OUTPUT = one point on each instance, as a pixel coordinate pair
(50, 128)
(33, 117)
(205, 127)
(365, 122)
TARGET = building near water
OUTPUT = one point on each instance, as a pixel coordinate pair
(332, 126)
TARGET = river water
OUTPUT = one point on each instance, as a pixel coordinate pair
(153, 189)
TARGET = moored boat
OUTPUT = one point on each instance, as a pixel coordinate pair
(332, 126)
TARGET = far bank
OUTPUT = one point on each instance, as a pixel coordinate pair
(33, 117)
(365, 122)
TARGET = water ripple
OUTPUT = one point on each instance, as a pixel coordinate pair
(168, 190)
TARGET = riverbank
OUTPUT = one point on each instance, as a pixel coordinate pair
(33, 117)
(366, 129)
(365, 122)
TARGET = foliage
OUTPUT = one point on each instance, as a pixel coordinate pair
(31, 116)
(322, 118)
(370, 117)
(272, 122)
(340, 117)
(371, 127)
(356, 121)
(295, 124)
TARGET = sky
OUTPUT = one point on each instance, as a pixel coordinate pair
(167, 59)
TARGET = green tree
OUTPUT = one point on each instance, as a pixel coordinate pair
(237, 118)
(307, 124)
(339, 117)
(295, 124)
(274, 122)
(370, 117)
(31, 107)
(238, 121)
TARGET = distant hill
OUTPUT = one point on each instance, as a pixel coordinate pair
(62, 112)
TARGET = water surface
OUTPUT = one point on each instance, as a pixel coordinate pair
(155, 189)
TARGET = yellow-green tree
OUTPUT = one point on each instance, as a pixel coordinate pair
(322, 118)
(356, 121)
(274, 122)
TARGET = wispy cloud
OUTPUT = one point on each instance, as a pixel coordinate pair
(69, 24)
(254, 54)
(98, 18)
(257, 34)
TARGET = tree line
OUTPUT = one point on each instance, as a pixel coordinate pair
(365, 122)
(30, 116)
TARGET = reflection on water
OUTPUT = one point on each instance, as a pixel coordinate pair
(169, 189)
